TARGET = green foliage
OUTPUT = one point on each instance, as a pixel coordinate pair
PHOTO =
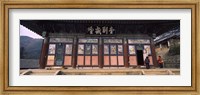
(30, 48)
(174, 50)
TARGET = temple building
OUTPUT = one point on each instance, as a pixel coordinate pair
(98, 43)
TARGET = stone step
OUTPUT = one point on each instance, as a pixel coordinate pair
(102, 72)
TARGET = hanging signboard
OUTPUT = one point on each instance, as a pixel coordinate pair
(97, 30)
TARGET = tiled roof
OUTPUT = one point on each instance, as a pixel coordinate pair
(167, 35)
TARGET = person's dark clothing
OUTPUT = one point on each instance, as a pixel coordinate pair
(147, 61)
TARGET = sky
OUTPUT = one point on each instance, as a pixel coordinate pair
(27, 32)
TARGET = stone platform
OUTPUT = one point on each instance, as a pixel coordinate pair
(108, 71)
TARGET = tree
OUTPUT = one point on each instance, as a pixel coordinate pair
(21, 52)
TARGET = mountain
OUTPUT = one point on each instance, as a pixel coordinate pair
(30, 48)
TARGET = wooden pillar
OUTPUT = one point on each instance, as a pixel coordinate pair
(100, 53)
(126, 57)
(43, 56)
(74, 53)
(154, 56)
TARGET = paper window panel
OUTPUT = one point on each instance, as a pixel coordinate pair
(80, 49)
(83, 40)
(68, 60)
(87, 60)
(131, 49)
(132, 60)
(112, 40)
(120, 49)
(113, 60)
(61, 40)
(80, 60)
(50, 60)
(106, 60)
(138, 41)
(113, 49)
(68, 49)
(147, 50)
(120, 60)
(151, 60)
(106, 49)
(94, 60)
(52, 48)
(87, 49)
(94, 49)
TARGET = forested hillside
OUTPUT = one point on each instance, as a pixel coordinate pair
(30, 48)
